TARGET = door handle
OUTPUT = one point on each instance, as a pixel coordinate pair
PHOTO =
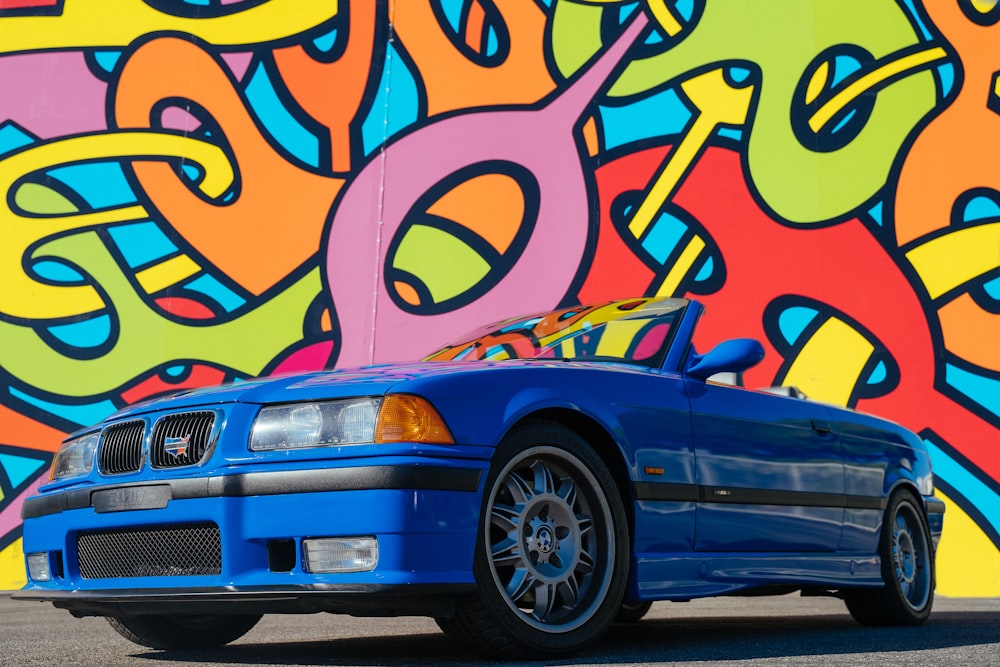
(822, 427)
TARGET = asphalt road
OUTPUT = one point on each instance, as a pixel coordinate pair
(786, 630)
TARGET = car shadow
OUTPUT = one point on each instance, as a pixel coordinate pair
(695, 640)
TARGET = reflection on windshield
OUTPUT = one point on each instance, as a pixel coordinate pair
(635, 331)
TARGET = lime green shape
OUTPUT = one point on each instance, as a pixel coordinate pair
(42, 200)
(446, 265)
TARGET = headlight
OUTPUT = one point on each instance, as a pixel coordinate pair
(346, 422)
(75, 457)
(395, 418)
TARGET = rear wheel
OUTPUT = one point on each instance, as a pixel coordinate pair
(171, 632)
(907, 569)
(552, 553)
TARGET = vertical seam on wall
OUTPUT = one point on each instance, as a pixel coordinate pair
(390, 39)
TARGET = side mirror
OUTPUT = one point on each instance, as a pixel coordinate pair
(731, 356)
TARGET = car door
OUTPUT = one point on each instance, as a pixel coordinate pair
(770, 471)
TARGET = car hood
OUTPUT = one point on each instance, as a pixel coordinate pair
(332, 384)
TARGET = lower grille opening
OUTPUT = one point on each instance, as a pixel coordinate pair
(160, 551)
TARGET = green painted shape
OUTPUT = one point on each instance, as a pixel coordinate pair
(147, 339)
(780, 38)
(446, 265)
(41, 200)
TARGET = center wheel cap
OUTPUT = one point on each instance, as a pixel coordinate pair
(544, 539)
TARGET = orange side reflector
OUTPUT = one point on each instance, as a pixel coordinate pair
(406, 418)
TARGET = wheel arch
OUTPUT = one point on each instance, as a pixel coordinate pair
(598, 437)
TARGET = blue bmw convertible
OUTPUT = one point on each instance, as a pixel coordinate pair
(526, 485)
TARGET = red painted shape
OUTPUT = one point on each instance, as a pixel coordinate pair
(842, 265)
(186, 308)
(199, 376)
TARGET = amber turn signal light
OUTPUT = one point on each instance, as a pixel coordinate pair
(407, 418)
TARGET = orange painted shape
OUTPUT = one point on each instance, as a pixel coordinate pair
(453, 81)
(332, 92)
(22, 431)
(971, 333)
(492, 205)
(958, 150)
(474, 23)
(591, 137)
(407, 293)
(276, 221)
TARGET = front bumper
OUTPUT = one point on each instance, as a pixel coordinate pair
(425, 518)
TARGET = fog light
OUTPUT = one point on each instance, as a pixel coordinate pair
(340, 554)
(38, 567)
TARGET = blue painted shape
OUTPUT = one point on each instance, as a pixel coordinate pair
(983, 390)
(385, 120)
(978, 494)
(917, 19)
(843, 67)
(981, 208)
(325, 43)
(13, 137)
(107, 60)
(625, 124)
(875, 212)
(80, 414)
(142, 243)
(946, 73)
(222, 295)
(88, 333)
(845, 120)
(492, 43)
(739, 74)
(993, 288)
(452, 10)
(731, 133)
(879, 374)
(19, 468)
(278, 120)
(706, 270)
(58, 272)
(793, 321)
(100, 184)
(664, 235)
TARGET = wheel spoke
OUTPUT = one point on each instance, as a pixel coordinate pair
(567, 491)
(544, 482)
(505, 518)
(569, 590)
(518, 488)
(519, 585)
(584, 564)
(545, 601)
(507, 553)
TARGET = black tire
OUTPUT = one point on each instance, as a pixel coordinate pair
(907, 555)
(174, 632)
(552, 552)
(632, 612)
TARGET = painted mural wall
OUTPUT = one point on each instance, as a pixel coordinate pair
(202, 191)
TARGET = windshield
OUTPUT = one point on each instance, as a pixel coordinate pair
(634, 331)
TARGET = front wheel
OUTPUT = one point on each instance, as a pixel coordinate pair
(552, 554)
(907, 570)
(174, 632)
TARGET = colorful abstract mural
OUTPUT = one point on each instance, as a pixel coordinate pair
(204, 191)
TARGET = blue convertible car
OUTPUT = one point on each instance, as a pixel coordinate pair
(526, 486)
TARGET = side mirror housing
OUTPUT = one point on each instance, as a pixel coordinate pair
(731, 356)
